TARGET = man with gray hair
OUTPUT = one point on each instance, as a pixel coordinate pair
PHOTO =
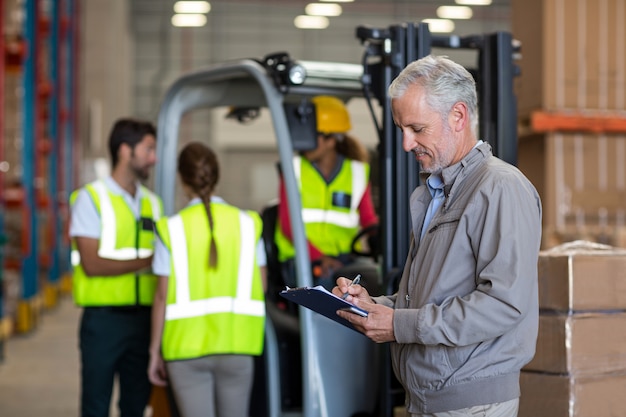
(464, 319)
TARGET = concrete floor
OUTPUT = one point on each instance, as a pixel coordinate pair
(39, 375)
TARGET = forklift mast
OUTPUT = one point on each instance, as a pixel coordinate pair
(387, 52)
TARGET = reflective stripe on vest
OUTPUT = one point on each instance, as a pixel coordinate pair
(108, 225)
(75, 257)
(242, 303)
(338, 218)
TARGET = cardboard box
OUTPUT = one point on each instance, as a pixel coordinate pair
(580, 344)
(582, 183)
(573, 54)
(582, 276)
(400, 411)
(547, 395)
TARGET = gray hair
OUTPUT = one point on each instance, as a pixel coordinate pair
(445, 83)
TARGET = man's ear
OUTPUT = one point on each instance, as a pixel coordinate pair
(459, 116)
(124, 152)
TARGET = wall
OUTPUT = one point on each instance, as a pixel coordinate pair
(106, 64)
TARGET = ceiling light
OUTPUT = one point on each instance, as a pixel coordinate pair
(188, 20)
(192, 7)
(310, 22)
(337, 1)
(473, 2)
(454, 12)
(439, 25)
(320, 9)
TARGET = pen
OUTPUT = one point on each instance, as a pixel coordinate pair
(355, 281)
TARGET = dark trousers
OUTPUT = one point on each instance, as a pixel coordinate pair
(114, 341)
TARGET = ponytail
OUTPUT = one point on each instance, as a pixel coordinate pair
(206, 200)
(199, 169)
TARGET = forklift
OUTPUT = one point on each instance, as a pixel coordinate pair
(312, 366)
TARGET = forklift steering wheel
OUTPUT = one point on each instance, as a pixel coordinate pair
(372, 241)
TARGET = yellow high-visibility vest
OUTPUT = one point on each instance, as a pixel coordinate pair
(217, 310)
(329, 226)
(123, 237)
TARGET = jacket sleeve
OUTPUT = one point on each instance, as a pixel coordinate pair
(386, 300)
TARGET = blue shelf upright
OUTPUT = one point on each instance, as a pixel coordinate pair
(26, 313)
(68, 144)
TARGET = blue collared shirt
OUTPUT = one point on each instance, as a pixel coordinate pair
(435, 187)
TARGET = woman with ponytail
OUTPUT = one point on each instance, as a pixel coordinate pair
(208, 315)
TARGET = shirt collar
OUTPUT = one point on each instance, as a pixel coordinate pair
(214, 199)
(434, 183)
(117, 189)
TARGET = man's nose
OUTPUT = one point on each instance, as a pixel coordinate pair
(408, 143)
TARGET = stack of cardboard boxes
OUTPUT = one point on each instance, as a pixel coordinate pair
(579, 369)
(573, 69)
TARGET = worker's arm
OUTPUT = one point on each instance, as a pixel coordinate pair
(157, 372)
(85, 230)
(264, 278)
(94, 265)
(367, 214)
(285, 223)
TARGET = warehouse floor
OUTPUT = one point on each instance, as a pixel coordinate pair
(39, 373)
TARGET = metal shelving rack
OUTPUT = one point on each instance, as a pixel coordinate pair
(13, 53)
(47, 137)
(29, 265)
(68, 143)
(2, 237)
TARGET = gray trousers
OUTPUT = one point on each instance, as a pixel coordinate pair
(505, 409)
(212, 386)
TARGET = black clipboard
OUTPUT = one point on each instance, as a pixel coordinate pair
(323, 302)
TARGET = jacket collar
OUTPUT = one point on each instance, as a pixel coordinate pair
(454, 174)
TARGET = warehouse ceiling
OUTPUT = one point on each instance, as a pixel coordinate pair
(254, 28)
(287, 10)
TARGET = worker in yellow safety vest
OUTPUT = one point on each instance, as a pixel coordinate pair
(209, 310)
(112, 232)
(335, 193)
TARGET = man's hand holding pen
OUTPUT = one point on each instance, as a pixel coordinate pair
(378, 325)
(350, 290)
(355, 281)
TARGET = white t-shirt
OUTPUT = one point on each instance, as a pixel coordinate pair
(84, 217)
